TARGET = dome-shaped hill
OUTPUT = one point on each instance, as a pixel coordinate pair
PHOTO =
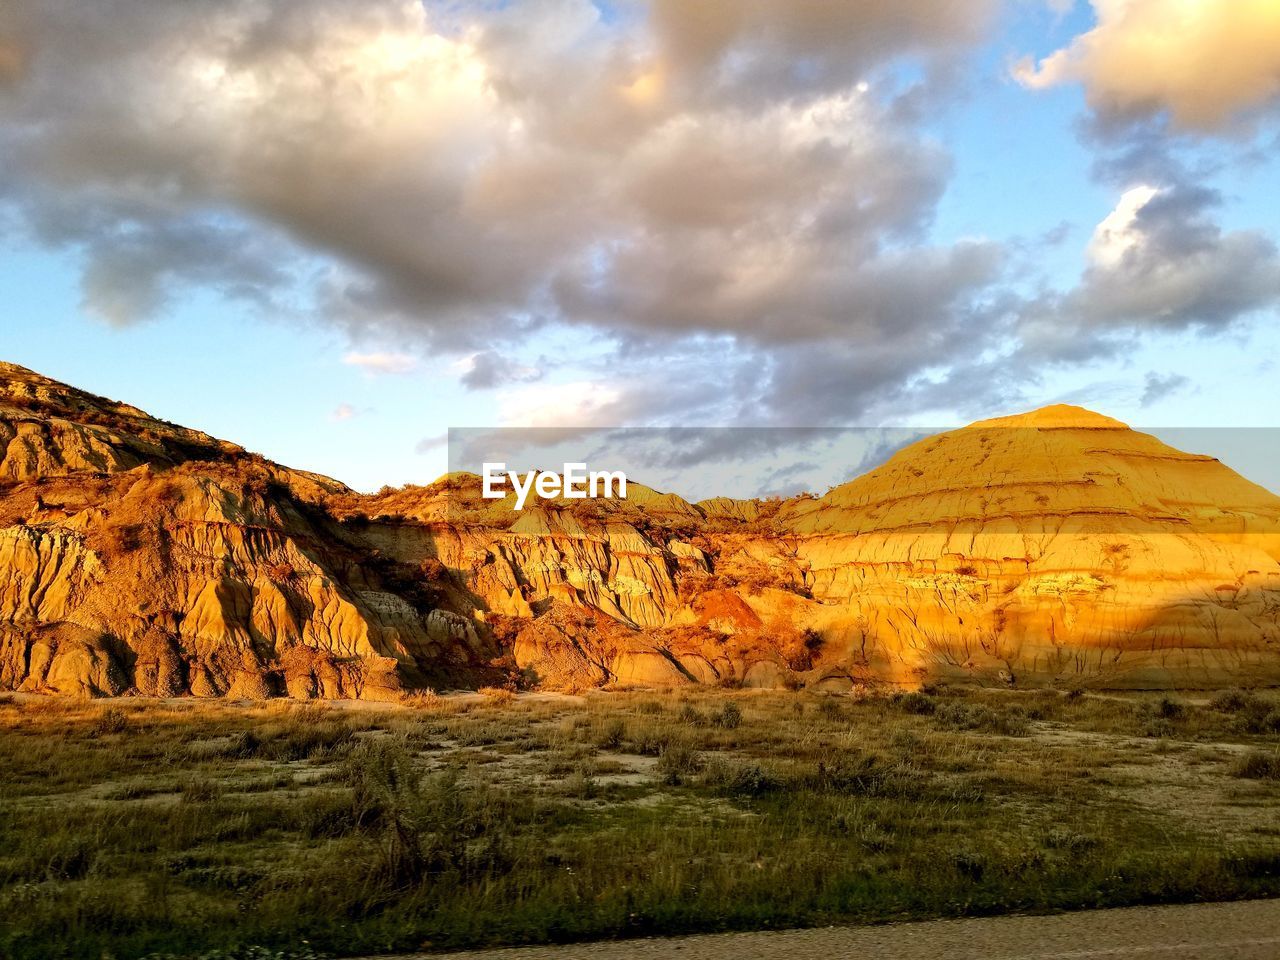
(1056, 416)
(1036, 471)
(1051, 544)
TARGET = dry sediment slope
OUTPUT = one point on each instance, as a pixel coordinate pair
(1058, 546)
(136, 555)
(1054, 545)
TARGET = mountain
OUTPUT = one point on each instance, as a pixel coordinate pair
(1056, 547)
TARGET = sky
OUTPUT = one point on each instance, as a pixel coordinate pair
(333, 231)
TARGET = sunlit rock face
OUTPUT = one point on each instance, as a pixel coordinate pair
(1058, 547)
(135, 555)
(1055, 546)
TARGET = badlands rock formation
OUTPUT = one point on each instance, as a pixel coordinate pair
(1058, 547)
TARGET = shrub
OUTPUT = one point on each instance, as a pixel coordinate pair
(1232, 701)
(866, 775)
(281, 572)
(730, 716)
(1159, 718)
(200, 790)
(307, 733)
(381, 779)
(242, 746)
(68, 857)
(1062, 839)
(401, 862)
(916, 702)
(110, 720)
(612, 735)
(738, 779)
(426, 699)
(1253, 713)
(677, 761)
(579, 784)
(831, 708)
(1257, 765)
(1264, 720)
(690, 715)
(969, 864)
(963, 716)
(498, 696)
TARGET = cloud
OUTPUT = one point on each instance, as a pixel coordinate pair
(1158, 387)
(1119, 235)
(489, 369)
(731, 202)
(344, 411)
(12, 62)
(134, 269)
(580, 403)
(1159, 261)
(696, 462)
(380, 363)
(467, 174)
(431, 443)
(798, 44)
(1205, 64)
(1057, 234)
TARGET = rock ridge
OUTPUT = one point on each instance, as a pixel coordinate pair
(1055, 547)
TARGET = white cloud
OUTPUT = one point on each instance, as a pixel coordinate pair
(343, 411)
(579, 403)
(378, 363)
(1119, 234)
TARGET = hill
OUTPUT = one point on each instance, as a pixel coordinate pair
(1057, 547)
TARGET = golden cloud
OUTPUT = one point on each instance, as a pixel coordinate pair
(1205, 62)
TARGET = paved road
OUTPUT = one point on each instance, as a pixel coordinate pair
(1215, 931)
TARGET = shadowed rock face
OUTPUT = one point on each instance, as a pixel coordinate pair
(1055, 547)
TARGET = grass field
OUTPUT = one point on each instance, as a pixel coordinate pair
(134, 828)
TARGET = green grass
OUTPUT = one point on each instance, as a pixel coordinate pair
(140, 829)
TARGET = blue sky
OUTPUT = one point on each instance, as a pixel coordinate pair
(541, 214)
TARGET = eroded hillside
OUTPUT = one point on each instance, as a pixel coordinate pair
(1055, 547)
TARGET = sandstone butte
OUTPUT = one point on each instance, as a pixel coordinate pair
(1054, 548)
